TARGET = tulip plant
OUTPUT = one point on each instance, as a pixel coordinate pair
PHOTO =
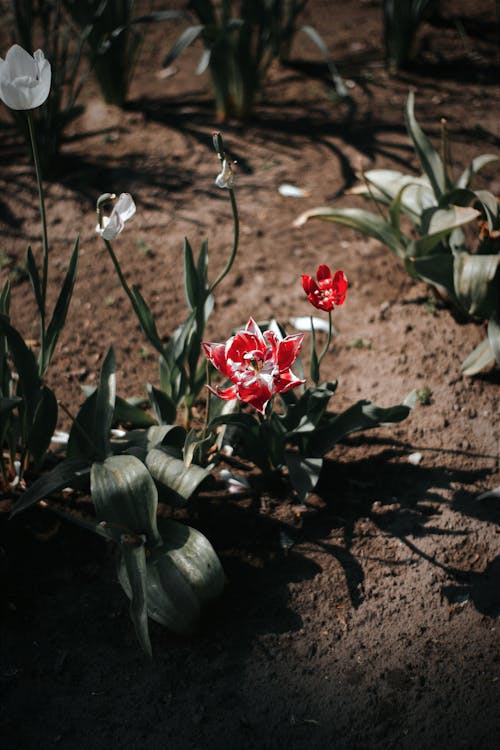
(241, 41)
(46, 22)
(28, 412)
(284, 433)
(182, 374)
(438, 250)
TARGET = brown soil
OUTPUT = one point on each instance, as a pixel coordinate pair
(369, 617)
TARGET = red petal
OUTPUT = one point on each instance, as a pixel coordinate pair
(227, 394)
(285, 381)
(216, 353)
(339, 287)
(323, 273)
(288, 350)
(308, 284)
(257, 394)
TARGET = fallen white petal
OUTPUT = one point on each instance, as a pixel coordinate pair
(290, 191)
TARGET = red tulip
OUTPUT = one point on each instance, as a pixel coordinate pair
(329, 291)
(259, 365)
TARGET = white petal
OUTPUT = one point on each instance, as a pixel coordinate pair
(125, 206)
(303, 323)
(290, 191)
(112, 227)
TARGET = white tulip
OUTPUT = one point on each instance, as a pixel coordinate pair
(112, 225)
(24, 80)
(226, 178)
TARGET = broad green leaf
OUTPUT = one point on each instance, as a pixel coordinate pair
(61, 307)
(181, 481)
(128, 413)
(163, 406)
(140, 442)
(361, 416)
(105, 406)
(494, 335)
(436, 270)
(303, 472)
(489, 205)
(134, 559)
(479, 358)
(477, 283)
(306, 413)
(125, 495)
(43, 424)
(362, 221)
(171, 600)
(428, 157)
(193, 556)
(442, 222)
(465, 179)
(385, 184)
(62, 475)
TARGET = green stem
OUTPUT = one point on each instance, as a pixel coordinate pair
(328, 340)
(234, 250)
(45, 243)
(120, 273)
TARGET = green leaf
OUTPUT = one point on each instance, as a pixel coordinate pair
(194, 556)
(127, 413)
(25, 364)
(428, 157)
(63, 475)
(362, 221)
(191, 285)
(181, 481)
(441, 222)
(134, 559)
(465, 179)
(43, 424)
(303, 472)
(384, 185)
(147, 321)
(317, 39)
(187, 37)
(163, 406)
(140, 442)
(170, 599)
(479, 358)
(436, 270)
(494, 335)
(360, 416)
(5, 299)
(61, 307)
(35, 280)
(477, 283)
(125, 495)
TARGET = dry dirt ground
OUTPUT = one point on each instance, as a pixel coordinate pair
(368, 618)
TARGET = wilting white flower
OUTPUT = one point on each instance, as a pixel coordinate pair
(24, 80)
(112, 225)
(226, 178)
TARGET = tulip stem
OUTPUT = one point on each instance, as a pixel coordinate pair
(45, 243)
(328, 340)
(120, 273)
(234, 250)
